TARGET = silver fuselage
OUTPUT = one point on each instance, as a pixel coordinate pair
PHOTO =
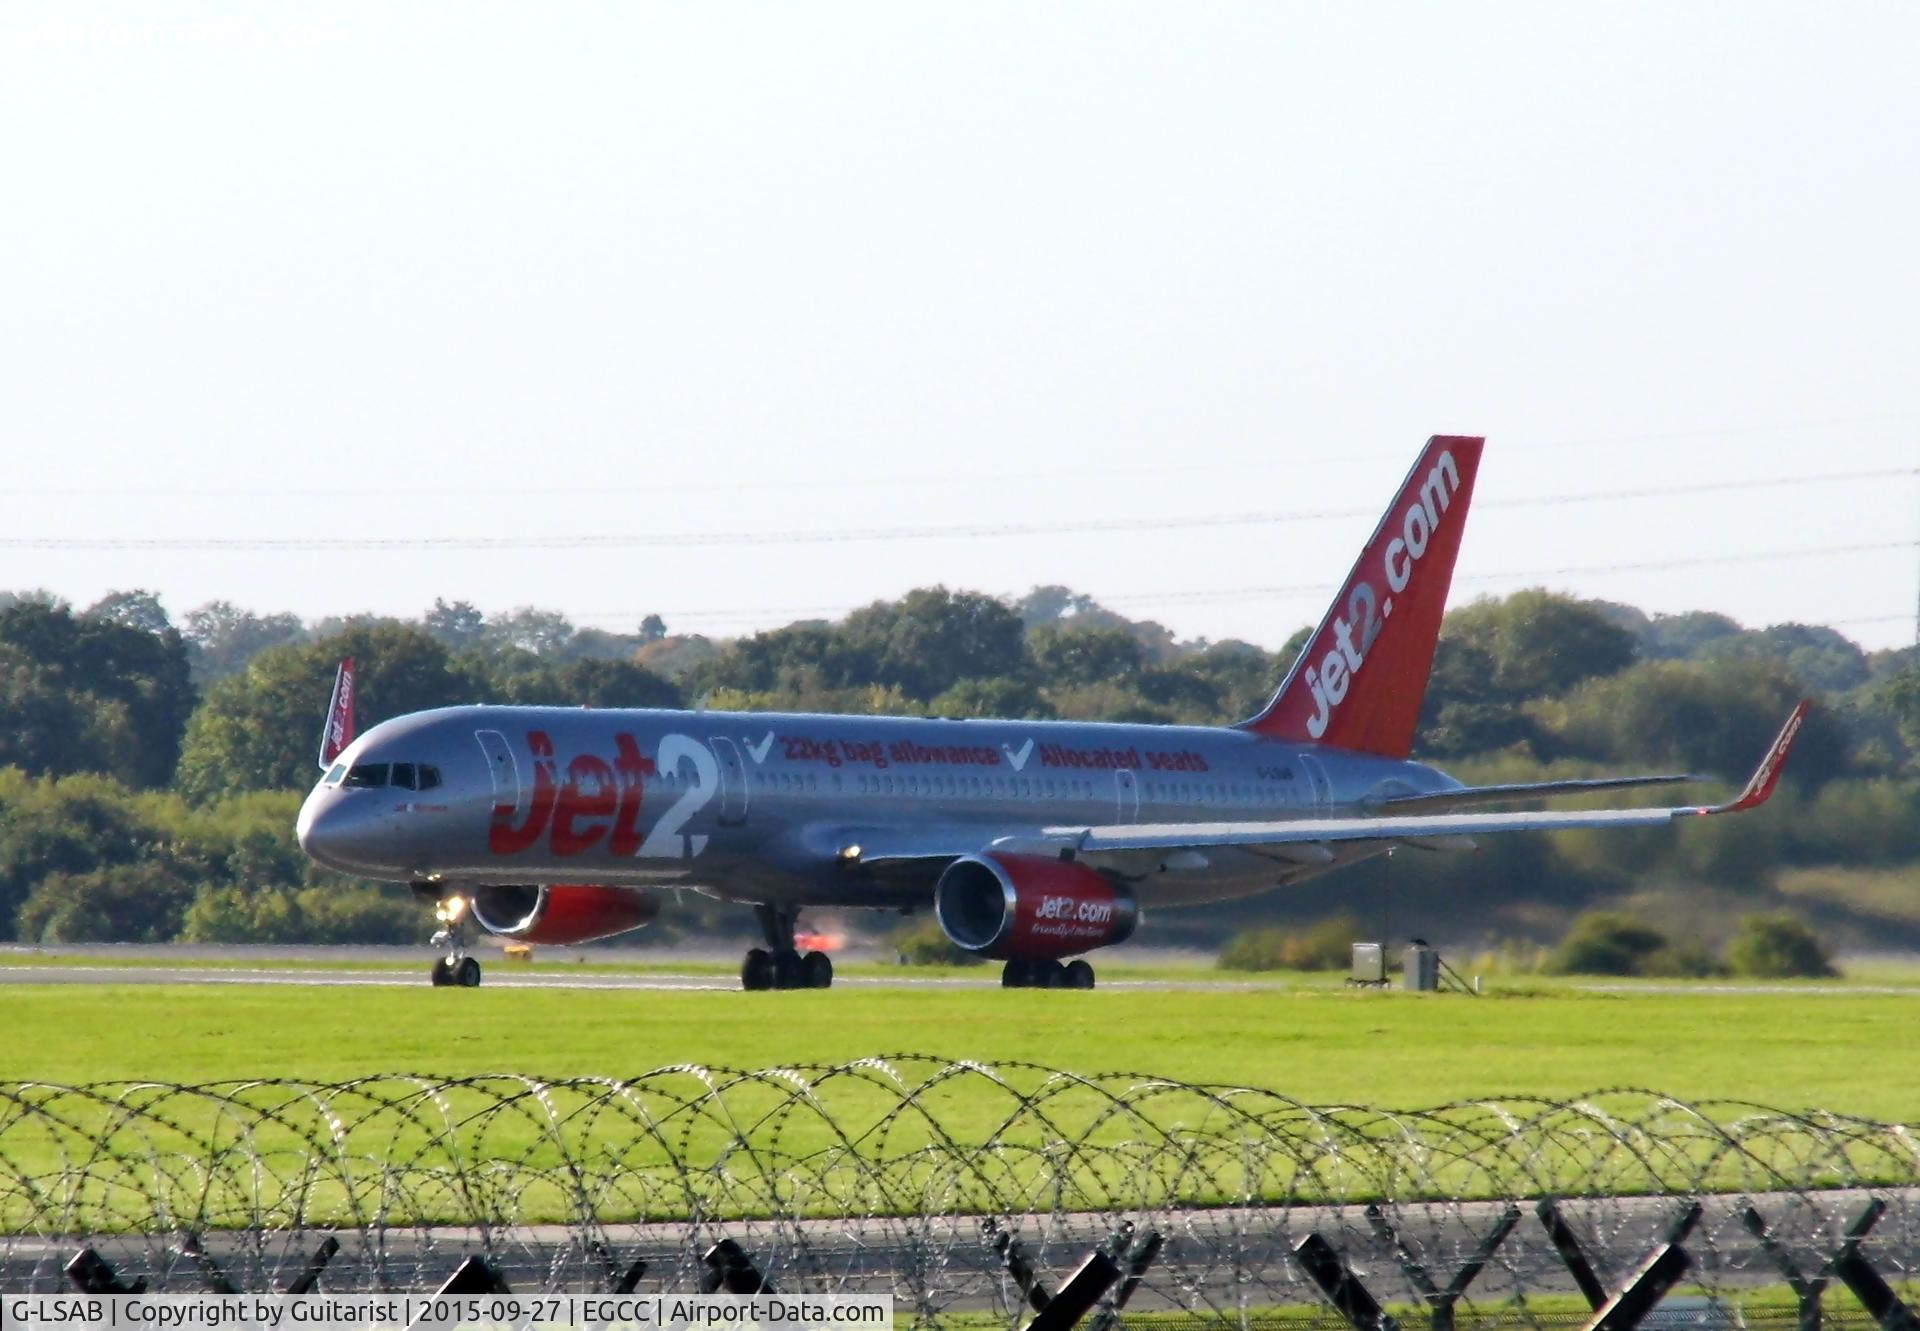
(769, 807)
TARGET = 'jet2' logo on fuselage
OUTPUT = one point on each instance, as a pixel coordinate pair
(1331, 678)
(601, 802)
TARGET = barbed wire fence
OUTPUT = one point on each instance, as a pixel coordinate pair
(969, 1191)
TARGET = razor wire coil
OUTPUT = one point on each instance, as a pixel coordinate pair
(896, 1172)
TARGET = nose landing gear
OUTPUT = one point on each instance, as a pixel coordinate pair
(456, 967)
(780, 965)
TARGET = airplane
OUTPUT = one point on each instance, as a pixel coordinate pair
(1033, 842)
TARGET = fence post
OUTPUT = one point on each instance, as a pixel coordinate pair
(730, 1269)
(1137, 1264)
(310, 1277)
(1440, 1302)
(210, 1272)
(1013, 1257)
(1078, 1295)
(1649, 1284)
(91, 1274)
(1875, 1295)
(1809, 1292)
(1568, 1246)
(1348, 1296)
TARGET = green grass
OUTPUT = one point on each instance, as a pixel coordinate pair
(1317, 1044)
(1321, 1045)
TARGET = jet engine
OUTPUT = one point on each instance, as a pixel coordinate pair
(561, 913)
(1029, 908)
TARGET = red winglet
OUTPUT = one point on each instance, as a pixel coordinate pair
(338, 731)
(1767, 775)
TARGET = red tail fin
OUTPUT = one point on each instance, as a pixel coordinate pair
(1360, 682)
(338, 731)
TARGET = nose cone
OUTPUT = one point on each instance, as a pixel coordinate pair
(344, 832)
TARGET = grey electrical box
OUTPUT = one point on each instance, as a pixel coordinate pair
(1423, 969)
(1369, 963)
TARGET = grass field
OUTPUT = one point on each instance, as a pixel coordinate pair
(1793, 1048)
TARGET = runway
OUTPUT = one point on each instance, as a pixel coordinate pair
(499, 975)
(403, 967)
(503, 975)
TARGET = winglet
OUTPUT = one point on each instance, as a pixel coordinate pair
(338, 731)
(1767, 775)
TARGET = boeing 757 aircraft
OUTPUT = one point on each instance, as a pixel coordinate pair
(1032, 841)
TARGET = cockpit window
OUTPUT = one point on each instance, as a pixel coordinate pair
(366, 776)
(403, 775)
(429, 777)
(334, 774)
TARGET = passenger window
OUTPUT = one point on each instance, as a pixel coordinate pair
(403, 775)
(366, 776)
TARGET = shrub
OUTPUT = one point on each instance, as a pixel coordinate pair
(925, 945)
(123, 903)
(1777, 947)
(1605, 942)
(1682, 960)
(1326, 946)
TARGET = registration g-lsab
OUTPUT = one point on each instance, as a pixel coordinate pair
(1031, 841)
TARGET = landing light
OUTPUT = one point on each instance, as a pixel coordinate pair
(850, 854)
(450, 910)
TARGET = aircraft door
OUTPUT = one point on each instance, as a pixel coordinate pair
(1126, 791)
(733, 782)
(1317, 778)
(501, 768)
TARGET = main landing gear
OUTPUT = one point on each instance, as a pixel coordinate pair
(1075, 974)
(456, 967)
(780, 965)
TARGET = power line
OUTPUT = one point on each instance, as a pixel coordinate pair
(1228, 594)
(1331, 457)
(975, 531)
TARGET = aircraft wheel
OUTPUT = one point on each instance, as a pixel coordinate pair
(1013, 975)
(789, 972)
(442, 973)
(1078, 975)
(756, 972)
(467, 973)
(817, 969)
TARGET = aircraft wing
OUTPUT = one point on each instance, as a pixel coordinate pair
(1467, 796)
(1415, 829)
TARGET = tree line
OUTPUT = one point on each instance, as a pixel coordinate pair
(150, 770)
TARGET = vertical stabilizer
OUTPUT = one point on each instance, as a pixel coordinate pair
(1363, 675)
(337, 733)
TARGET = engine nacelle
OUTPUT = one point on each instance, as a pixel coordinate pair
(562, 913)
(1029, 908)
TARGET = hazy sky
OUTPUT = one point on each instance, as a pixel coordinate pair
(690, 281)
